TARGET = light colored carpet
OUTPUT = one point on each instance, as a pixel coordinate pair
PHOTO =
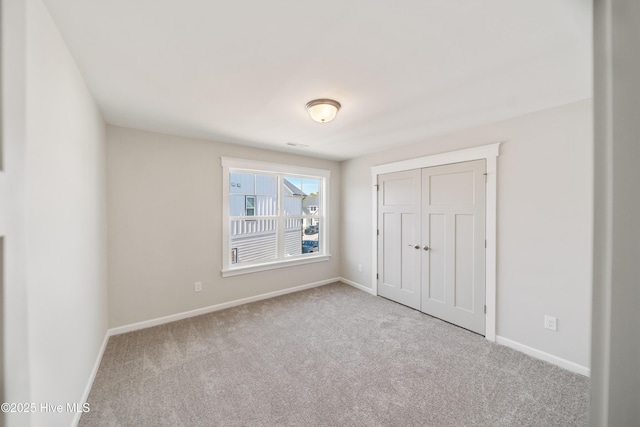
(329, 356)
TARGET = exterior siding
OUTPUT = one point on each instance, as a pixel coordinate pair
(293, 242)
(255, 247)
(240, 227)
(256, 240)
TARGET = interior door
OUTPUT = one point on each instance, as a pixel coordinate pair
(431, 244)
(453, 230)
(399, 205)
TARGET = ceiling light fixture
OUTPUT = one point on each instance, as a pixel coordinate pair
(323, 110)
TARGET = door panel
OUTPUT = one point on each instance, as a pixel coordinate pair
(456, 256)
(399, 191)
(435, 259)
(399, 204)
(451, 188)
(410, 262)
(391, 251)
(463, 274)
(431, 241)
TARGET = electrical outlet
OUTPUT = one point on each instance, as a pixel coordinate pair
(550, 323)
(198, 286)
(360, 268)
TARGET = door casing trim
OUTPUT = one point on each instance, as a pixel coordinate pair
(490, 153)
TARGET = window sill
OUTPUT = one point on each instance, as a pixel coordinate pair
(273, 265)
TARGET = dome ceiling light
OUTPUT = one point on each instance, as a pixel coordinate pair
(323, 110)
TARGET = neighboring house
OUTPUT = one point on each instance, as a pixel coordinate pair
(311, 206)
(253, 195)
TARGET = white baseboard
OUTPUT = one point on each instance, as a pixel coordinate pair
(357, 285)
(217, 307)
(539, 354)
(92, 377)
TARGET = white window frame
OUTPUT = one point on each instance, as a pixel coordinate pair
(253, 166)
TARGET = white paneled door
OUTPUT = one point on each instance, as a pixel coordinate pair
(399, 233)
(431, 244)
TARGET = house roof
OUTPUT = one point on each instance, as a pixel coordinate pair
(310, 201)
(293, 190)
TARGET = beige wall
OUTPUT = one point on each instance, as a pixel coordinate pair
(164, 208)
(545, 203)
(65, 200)
(615, 383)
(165, 226)
(15, 383)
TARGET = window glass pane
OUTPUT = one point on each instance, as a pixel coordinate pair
(311, 228)
(292, 205)
(310, 246)
(236, 205)
(297, 240)
(242, 183)
(253, 240)
(252, 194)
(311, 235)
(293, 237)
(267, 205)
(266, 185)
(300, 194)
(293, 197)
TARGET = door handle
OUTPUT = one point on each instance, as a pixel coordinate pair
(414, 245)
(425, 247)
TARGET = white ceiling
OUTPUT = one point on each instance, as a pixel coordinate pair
(403, 70)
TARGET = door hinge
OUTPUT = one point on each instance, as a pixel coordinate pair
(377, 276)
(377, 232)
(485, 309)
(485, 176)
(485, 244)
(377, 187)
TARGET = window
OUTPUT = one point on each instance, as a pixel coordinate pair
(273, 216)
(250, 206)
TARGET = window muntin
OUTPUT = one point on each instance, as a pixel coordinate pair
(268, 220)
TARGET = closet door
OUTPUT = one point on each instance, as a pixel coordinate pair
(453, 244)
(399, 249)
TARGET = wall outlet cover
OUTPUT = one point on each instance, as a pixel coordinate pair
(551, 323)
